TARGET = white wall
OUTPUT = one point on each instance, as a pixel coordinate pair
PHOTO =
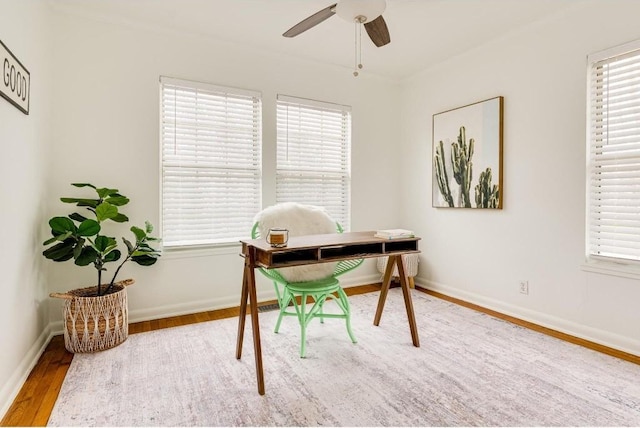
(106, 132)
(480, 255)
(24, 315)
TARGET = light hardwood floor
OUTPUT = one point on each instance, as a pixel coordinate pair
(33, 405)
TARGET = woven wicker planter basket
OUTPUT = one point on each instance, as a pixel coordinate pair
(95, 323)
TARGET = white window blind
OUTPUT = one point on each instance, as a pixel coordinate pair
(211, 162)
(314, 155)
(614, 155)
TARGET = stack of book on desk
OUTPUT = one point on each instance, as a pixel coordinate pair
(394, 234)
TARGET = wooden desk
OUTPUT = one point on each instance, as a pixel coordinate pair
(320, 249)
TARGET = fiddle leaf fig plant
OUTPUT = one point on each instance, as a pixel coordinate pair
(83, 239)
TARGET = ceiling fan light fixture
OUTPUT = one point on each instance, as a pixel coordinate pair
(361, 11)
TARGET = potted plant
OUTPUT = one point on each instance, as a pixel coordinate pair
(96, 318)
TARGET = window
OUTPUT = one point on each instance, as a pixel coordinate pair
(211, 162)
(314, 155)
(613, 218)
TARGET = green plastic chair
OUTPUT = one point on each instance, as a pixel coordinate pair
(319, 290)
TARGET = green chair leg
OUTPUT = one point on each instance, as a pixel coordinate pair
(319, 291)
(303, 325)
(315, 298)
(343, 302)
(283, 303)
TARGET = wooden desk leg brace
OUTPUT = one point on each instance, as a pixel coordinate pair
(249, 291)
(408, 303)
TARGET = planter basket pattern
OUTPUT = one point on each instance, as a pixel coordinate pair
(95, 323)
(410, 264)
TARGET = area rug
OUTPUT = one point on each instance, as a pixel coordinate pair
(471, 370)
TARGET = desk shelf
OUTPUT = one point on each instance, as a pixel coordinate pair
(340, 252)
(295, 257)
(392, 246)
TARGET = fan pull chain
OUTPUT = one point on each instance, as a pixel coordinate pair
(360, 46)
(355, 65)
(358, 53)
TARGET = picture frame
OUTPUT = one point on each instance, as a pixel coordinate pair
(467, 156)
(15, 83)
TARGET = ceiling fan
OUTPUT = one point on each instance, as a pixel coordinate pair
(365, 12)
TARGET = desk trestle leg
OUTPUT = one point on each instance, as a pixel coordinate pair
(242, 315)
(408, 303)
(249, 292)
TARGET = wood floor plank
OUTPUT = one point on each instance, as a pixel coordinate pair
(35, 390)
(49, 399)
(35, 401)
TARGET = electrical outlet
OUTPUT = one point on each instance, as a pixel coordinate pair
(524, 287)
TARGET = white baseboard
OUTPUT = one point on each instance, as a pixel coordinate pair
(185, 308)
(595, 335)
(361, 280)
(267, 293)
(10, 390)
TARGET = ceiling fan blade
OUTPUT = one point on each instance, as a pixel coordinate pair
(311, 21)
(378, 31)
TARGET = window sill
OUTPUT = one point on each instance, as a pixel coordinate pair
(631, 271)
(201, 251)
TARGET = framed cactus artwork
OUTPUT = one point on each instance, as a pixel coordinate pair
(467, 156)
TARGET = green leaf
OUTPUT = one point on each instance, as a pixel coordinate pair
(112, 246)
(60, 252)
(64, 257)
(144, 260)
(83, 185)
(105, 211)
(51, 240)
(129, 245)
(148, 227)
(118, 200)
(103, 192)
(120, 218)
(87, 256)
(77, 217)
(61, 237)
(82, 202)
(78, 249)
(64, 236)
(61, 225)
(113, 256)
(140, 235)
(89, 228)
(103, 242)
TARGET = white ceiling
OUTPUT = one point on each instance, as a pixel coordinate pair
(423, 32)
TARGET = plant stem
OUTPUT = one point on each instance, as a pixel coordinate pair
(118, 270)
(99, 281)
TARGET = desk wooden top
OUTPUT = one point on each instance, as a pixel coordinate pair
(309, 249)
(324, 240)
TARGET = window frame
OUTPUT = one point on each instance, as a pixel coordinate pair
(215, 245)
(610, 265)
(340, 173)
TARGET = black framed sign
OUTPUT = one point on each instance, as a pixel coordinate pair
(15, 81)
